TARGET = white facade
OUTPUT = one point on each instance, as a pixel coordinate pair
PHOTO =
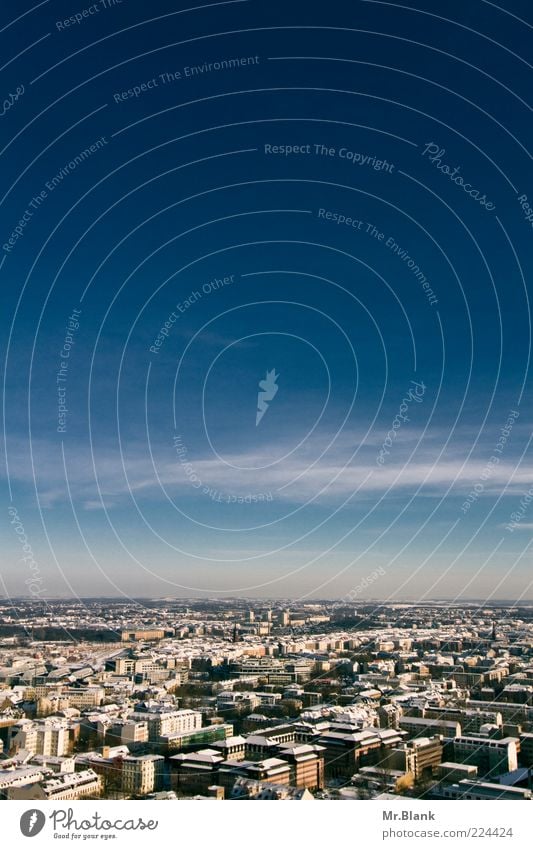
(76, 785)
(41, 738)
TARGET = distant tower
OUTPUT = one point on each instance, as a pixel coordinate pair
(251, 616)
(235, 634)
(494, 636)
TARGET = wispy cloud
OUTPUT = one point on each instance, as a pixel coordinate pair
(298, 478)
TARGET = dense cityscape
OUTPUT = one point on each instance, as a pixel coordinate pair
(234, 699)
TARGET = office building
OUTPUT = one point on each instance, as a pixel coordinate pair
(491, 756)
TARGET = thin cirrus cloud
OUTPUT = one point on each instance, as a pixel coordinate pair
(301, 476)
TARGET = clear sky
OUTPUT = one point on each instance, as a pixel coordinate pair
(192, 198)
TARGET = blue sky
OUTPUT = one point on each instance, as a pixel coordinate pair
(314, 263)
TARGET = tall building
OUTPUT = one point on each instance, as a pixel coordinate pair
(142, 775)
(306, 764)
(195, 772)
(526, 749)
(347, 750)
(43, 737)
(389, 716)
(418, 757)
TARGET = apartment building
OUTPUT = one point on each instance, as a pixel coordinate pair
(424, 727)
(70, 786)
(130, 733)
(54, 763)
(18, 777)
(389, 716)
(142, 775)
(469, 720)
(230, 700)
(165, 723)
(41, 737)
(107, 763)
(85, 697)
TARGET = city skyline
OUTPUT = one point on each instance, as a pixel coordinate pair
(245, 699)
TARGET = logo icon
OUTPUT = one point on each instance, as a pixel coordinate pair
(268, 388)
(32, 822)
